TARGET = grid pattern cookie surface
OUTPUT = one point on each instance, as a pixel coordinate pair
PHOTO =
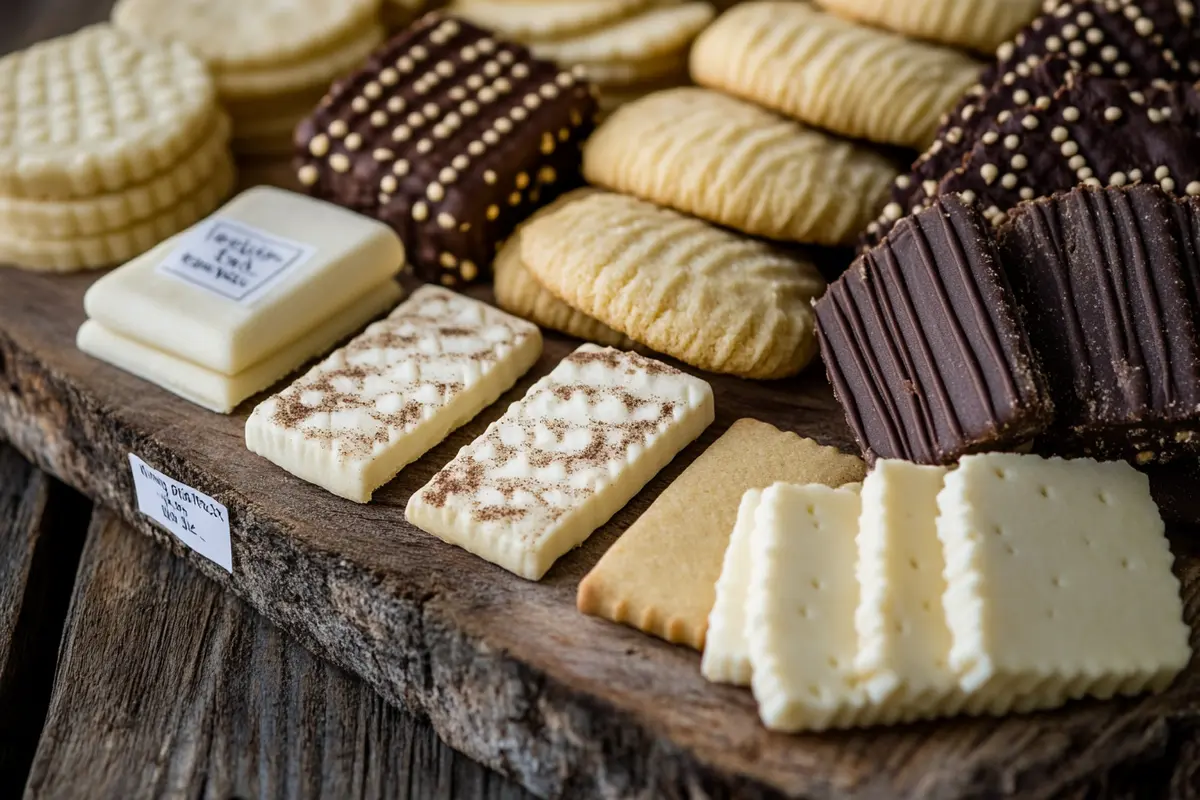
(98, 111)
(380, 402)
(563, 459)
(451, 137)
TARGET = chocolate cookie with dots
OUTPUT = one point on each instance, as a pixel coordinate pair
(1096, 131)
(451, 137)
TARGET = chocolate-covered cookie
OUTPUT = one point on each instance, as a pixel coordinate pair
(1107, 283)
(451, 136)
(924, 347)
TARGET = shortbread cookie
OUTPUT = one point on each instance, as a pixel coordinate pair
(223, 393)
(562, 460)
(738, 165)
(980, 25)
(655, 32)
(903, 639)
(678, 285)
(800, 608)
(451, 137)
(240, 34)
(105, 249)
(98, 111)
(830, 73)
(924, 346)
(532, 20)
(518, 292)
(1059, 582)
(660, 575)
(379, 403)
(91, 216)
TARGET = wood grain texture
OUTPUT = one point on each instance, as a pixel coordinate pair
(168, 686)
(41, 533)
(507, 670)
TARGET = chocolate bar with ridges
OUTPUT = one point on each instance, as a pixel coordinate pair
(923, 345)
(1107, 282)
(452, 137)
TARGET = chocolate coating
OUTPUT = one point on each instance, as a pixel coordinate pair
(451, 137)
(923, 344)
(1107, 282)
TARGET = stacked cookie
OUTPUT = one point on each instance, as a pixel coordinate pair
(109, 143)
(628, 47)
(271, 61)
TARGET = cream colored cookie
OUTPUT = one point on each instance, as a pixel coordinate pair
(96, 112)
(678, 285)
(240, 34)
(115, 247)
(733, 163)
(532, 20)
(622, 74)
(89, 216)
(981, 25)
(518, 292)
(833, 74)
(656, 32)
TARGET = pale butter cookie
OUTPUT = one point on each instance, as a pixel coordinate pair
(981, 25)
(533, 20)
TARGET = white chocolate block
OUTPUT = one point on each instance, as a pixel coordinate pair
(223, 393)
(800, 607)
(379, 403)
(247, 281)
(903, 639)
(1059, 582)
(563, 459)
(726, 648)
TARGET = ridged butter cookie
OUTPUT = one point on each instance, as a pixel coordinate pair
(531, 20)
(981, 25)
(834, 74)
(656, 32)
(678, 285)
(736, 164)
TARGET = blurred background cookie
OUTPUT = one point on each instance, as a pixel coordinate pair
(980, 25)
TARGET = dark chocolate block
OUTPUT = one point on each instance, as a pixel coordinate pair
(923, 345)
(1096, 131)
(450, 136)
(1107, 282)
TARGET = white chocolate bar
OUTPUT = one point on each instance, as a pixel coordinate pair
(357, 418)
(223, 393)
(563, 459)
(800, 607)
(248, 281)
(1059, 582)
(903, 639)
(726, 647)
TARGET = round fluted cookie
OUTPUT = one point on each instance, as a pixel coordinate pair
(98, 111)
(53, 254)
(533, 20)
(831, 73)
(518, 292)
(736, 164)
(678, 285)
(981, 25)
(248, 34)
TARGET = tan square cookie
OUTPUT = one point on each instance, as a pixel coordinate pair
(981, 25)
(678, 285)
(660, 576)
(738, 165)
(834, 74)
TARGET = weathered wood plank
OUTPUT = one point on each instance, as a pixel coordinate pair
(41, 533)
(170, 687)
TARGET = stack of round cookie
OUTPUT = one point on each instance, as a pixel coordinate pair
(109, 143)
(629, 47)
(272, 60)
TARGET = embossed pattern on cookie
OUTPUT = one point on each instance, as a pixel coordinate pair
(980, 25)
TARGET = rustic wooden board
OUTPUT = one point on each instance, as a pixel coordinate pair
(41, 533)
(507, 670)
(168, 686)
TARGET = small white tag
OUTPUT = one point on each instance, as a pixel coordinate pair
(195, 518)
(233, 259)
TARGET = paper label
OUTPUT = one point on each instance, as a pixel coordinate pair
(233, 259)
(196, 519)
